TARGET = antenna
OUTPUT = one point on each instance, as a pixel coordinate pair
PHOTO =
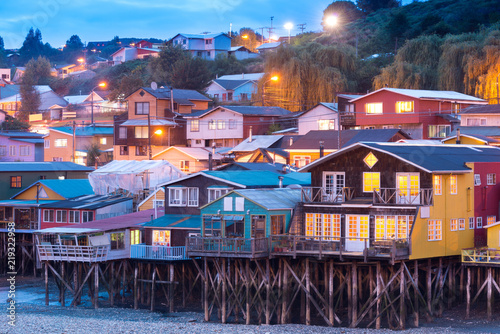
(154, 86)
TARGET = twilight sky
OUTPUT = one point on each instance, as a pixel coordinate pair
(101, 20)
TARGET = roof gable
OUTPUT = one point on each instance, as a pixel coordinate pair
(427, 95)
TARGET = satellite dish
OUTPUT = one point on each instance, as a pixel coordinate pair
(154, 86)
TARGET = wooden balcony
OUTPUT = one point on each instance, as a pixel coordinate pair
(340, 247)
(322, 195)
(72, 253)
(481, 256)
(23, 225)
(347, 118)
(164, 253)
(227, 247)
(399, 196)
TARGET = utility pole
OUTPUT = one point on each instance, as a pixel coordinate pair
(270, 30)
(302, 27)
(74, 144)
(262, 33)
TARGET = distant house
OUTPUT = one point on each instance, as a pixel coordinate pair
(189, 159)
(482, 115)
(206, 46)
(131, 53)
(154, 201)
(64, 71)
(8, 90)
(323, 116)
(232, 90)
(423, 114)
(5, 74)
(266, 48)
(241, 52)
(226, 126)
(59, 143)
(18, 74)
(263, 148)
(21, 146)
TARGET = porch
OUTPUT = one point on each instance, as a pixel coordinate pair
(165, 253)
(227, 247)
(481, 256)
(48, 252)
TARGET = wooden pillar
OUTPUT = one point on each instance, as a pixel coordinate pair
(248, 295)
(371, 288)
(330, 291)
(112, 284)
(62, 287)
(136, 296)
(402, 299)
(461, 283)
(124, 279)
(416, 296)
(96, 285)
(171, 289)
(467, 296)
(268, 293)
(153, 283)
(354, 306)
(223, 292)
(183, 279)
(440, 288)
(205, 295)
(348, 278)
(148, 292)
(429, 285)
(451, 285)
(284, 317)
(489, 294)
(308, 289)
(379, 294)
(46, 283)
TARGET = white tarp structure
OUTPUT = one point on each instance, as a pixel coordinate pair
(132, 176)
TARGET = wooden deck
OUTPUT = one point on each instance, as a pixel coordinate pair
(73, 253)
(489, 257)
(164, 253)
(227, 247)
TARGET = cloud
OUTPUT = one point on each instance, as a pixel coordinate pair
(186, 5)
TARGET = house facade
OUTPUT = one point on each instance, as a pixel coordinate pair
(483, 115)
(150, 125)
(423, 114)
(206, 46)
(227, 126)
(322, 117)
(190, 159)
(21, 146)
(241, 52)
(228, 91)
(131, 53)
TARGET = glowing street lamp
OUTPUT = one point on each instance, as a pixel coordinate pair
(289, 26)
(102, 85)
(244, 36)
(158, 132)
(273, 78)
(332, 20)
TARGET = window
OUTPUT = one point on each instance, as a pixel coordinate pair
(141, 150)
(142, 108)
(370, 160)
(46, 144)
(102, 141)
(87, 216)
(453, 224)
(141, 132)
(184, 165)
(135, 237)
(3, 150)
(229, 96)
(491, 179)
(326, 124)
(60, 143)
(122, 132)
(12, 150)
(192, 196)
(57, 159)
(438, 188)
(301, 160)
(74, 216)
(161, 238)
(232, 124)
(326, 226)
(371, 181)
(213, 194)
(117, 240)
(177, 196)
(277, 224)
(439, 131)
(434, 230)
(61, 216)
(373, 108)
(15, 181)
(195, 125)
(198, 54)
(24, 150)
(208, 53)
(334, 183)
(404, 106)
(208, 41)
(476, 121)
(221, 124)
(157, 203)
(211, 124)
(471, 223)
(123, 150)
(48, 216)
(392, 227)
(453, 185)
(477, 179)
(461, 224)
(491, 220)
(479, 222)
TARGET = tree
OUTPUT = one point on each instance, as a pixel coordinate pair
(191, 73)
(38, 72)
(14, 124)
(32, 45)
(247, 38)
(30, 100)
(74, 43)
(2, 46)
(223, 65)
(93, 153)
(161, 67)
(345, 11)
(370, 6)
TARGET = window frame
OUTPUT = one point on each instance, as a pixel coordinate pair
(437, 226)
(437, 186)
(122, 132)
(72, 214)
(472, 223)
(372, 186)
(491, 179)
(194, 125)
(48, 215)
(212, 192)
(61, 142)
(400, 110)
(61, 216)
(479, 222)
(453, 184)
(477, 180)
(373, 108)
(221, 124)
(141, 111)
(16, 181)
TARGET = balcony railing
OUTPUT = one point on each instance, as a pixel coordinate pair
(295, 245)
(73, 253)
(403, 196)
(227, 247)
(481, 255)
(148, 252)
(24, 225)
(323, 195)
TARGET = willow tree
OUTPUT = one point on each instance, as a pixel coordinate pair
(307, 75)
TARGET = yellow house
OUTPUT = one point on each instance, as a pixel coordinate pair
(189, 159)
(154, 200)
(467, 139)
(493, 235)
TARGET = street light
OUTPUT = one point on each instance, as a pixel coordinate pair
(273, 78)
(157, 132)
(102, 85)
(289, 26)
(332, 20)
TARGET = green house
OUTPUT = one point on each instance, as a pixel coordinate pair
(250, 213)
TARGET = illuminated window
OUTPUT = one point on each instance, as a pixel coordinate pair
(211, 124)
(491, 179)
(453, 185)
(373, 108)
(402, 227)
(491, 220)
(461, 224)
(439, 131)
(135, 237)
(453, 224)
(370, 160)
(60, 143)
(471, 223)
(309, 224)
(277, 224)
(404, 106)
(437, 184)
(434, 230)
(318, 225)
(301, 160)
(103, 141)
(184, 165)
(371, 181)
(195, 125)
(16, 181)
(392, 227)
(117, 240)
(221, 124)
(326, 124)
(141, 132)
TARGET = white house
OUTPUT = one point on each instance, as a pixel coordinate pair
(206, 46)
(483, 115)
(241, 52)
(128, 53)
(5, 74)
(323, 116)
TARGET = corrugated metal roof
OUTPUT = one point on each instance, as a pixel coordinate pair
(88, 202)
(176, 221)
(69, 188)
(243, 110)
(272, 199)
(231, 84)
(259, 141)
(276, 167)
(489, 131)
(144, 122)
(183, 94)
(200, 36)
(429, 94)
(22, 202)
(49, 166)
(242, 76)
(85, 131)
(259, 179)
(198, 153)
(269, 45)
(485, 109)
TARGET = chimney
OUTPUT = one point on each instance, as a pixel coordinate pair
(321, 148)
(458, 136)
(172, 98)
(280, 183)
(250, 135)
(242, 75)
(210, 161)
(291, 141)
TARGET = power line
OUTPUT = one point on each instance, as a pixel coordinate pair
(302, 27)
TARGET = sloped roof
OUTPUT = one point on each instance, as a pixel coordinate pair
(347, 137)
(268, 45)
(276, 167)
(85, 131)
(242, 76)
(489, 131)
(482, 109)
(41, 89)
(48, 166)
(9, 90)
(231, 84)
(182, 94)
(75, 99)
(430, 158)
(176, 221)
(429, 95)
(198, 153)
(88, 202)
(482, 138)
(244, 110)
(272, 199)
(201, 36)
(21, 134)
(258, 141)
(66, 188)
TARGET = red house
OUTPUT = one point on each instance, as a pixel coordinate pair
(486, 199)
(423, 114)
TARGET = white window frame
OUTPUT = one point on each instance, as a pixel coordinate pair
(472, 223)
(437, 130)
(24, 150)
(461, 224)
(491, 220)
(477, 179)
(48, 216)
(194, 125)
(74, 217)
(437, 226)
(103, 140)
(212, 124)
(216, 193)
(177, 196)
(437, 186)
(326, 124)
(239, 204)
(454, 191)
(141, 110)
(479, 222)
(59, 216)
(184, 165)
(402, 107)
(141, 132)
(46, 143)
(453, 224)
(12, 150)
(491, 179)
(221, 124)
(86, 215)
(61, 142)
(3, 150)
(376, 108)
(194, 192)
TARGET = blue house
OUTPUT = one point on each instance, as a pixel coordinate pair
(206, 46)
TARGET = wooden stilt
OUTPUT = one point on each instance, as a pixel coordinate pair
(124, 279)
(96, 286)
(349, 294)
(286, 293)
(467, 298)
(46, 284)
(268, 293)
(489, 294)
(354, 294)
(112, 284)
(330, 292)
(153, 284)
(429, 285)
(308, 289)
(247, 291)
(402, 294)
(171, 288)
(205, 295)
(379, 295)
(223, 293)
(136, 296)
(416, 296)
(183, 287)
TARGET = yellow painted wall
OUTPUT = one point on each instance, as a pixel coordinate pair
(493, 237)
(160, 195)
(30, 194)
(313, 155)
(174, 157)
(445, 208)
(465, 141)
